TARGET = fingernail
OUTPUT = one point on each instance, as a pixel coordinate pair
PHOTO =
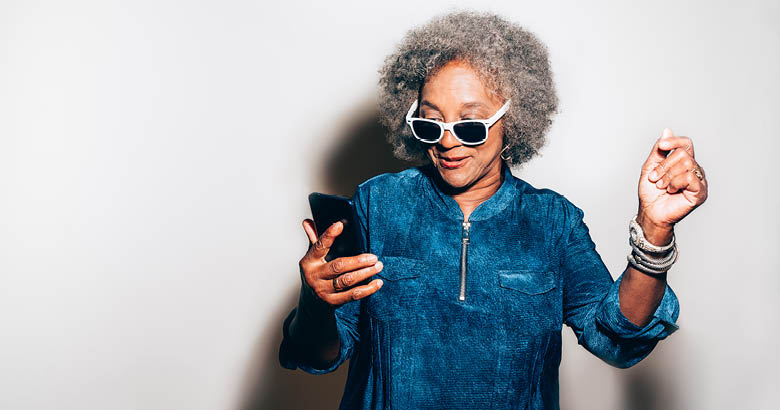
(380, 283)
(653, 175)
(369, 258)
(379, 265)
(660, 183)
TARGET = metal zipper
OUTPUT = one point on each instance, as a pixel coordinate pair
(464, 251)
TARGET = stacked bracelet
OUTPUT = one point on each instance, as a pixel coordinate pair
(645, 256)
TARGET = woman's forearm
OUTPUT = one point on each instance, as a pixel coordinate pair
(314, 331)
(641, 293)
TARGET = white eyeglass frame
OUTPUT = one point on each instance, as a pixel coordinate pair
(448, 126)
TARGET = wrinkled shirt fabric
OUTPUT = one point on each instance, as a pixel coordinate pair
(532, 267)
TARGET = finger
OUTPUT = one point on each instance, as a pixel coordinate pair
(321, 247)
(680, 167)
(350, 279)
(670, 143)
(311, 230)
(346, 264)
(357, 293)
(656, 153)
(678, 156)
(684, 181)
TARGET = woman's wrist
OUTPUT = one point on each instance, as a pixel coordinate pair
(311, 308)
(656, 234)
(313, 329)
(310, 319)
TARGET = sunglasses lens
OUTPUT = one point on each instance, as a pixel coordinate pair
(426, 131)
(471, 132)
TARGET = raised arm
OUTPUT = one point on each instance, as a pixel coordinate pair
(621, 322)
(671, 185)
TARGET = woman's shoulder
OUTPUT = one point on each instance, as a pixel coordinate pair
(546, 200)
(393, 183)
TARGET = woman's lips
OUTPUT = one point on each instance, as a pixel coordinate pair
(452, 162)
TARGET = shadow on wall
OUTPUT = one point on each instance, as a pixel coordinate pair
(649, 385)
(361, 153)
(269, 386)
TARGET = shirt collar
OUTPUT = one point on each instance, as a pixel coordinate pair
(493, 205)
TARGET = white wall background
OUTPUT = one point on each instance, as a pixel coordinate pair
(155, 158)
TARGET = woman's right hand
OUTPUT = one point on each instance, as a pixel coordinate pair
(334, 282)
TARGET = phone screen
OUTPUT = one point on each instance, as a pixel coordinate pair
(328, 209)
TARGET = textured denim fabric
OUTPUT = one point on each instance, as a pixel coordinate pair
(532, 267)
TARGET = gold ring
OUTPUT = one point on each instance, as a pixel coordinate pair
(697, 171)
(336, 285)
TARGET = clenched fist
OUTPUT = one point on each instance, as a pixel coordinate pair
(671, 184)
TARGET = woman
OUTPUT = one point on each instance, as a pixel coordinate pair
(470, 273)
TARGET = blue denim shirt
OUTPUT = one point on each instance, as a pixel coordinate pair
(531, 267)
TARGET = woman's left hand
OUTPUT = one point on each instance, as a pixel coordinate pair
(670, 185)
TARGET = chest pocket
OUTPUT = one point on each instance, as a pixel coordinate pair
(527, 281)
(401, 291)
(531, 296)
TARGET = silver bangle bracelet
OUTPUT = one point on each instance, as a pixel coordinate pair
(658, 260)
(637, 235)
(640, 258)
(654, 265)
(643, 268)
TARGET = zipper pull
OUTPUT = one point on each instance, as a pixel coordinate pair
(464, 250)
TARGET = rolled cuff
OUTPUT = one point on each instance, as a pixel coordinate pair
(662, 324)
(290, 356)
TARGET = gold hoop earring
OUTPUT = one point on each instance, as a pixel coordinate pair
(502, 154)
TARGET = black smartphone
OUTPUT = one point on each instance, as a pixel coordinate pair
(328, 209)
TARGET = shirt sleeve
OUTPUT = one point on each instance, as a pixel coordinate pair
(347, 317)
(591, 305)
(290, 356)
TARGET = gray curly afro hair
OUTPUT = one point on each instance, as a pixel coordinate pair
(510, 60)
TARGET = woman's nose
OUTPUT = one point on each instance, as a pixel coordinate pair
(448, 141)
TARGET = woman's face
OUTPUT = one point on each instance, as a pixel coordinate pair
(455, 93)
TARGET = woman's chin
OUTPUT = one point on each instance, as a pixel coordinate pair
(455, 178)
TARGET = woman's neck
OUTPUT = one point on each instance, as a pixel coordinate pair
(468, 198)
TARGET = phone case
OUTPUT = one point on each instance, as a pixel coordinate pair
(326, 210)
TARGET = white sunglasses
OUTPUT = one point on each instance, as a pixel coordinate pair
(468, 132)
